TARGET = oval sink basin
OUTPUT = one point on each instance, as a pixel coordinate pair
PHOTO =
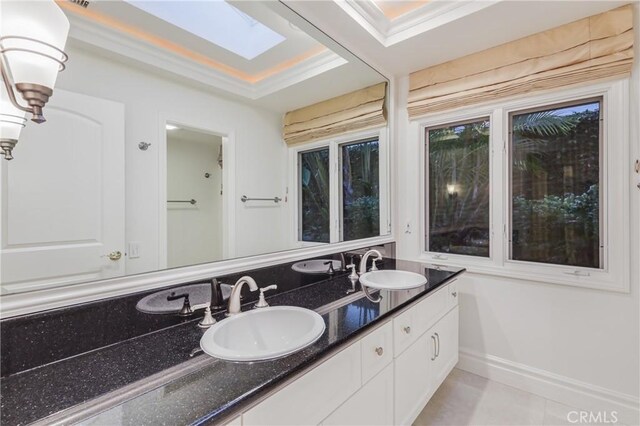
(316, 266)
(199, 297)
(392, 280)
(264, 333)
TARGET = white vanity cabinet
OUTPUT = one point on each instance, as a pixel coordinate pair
(384, 378)
(443, 353)
(312, 397)
(412, 386)
(372, 405)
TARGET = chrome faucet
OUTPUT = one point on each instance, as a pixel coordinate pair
(343, 262)
(365, 257)
(234, 298)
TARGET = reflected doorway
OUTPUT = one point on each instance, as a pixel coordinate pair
(194, 196)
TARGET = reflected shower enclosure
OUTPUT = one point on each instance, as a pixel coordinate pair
(194, 197)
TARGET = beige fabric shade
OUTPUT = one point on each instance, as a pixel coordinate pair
(593, 48)
(359, 110)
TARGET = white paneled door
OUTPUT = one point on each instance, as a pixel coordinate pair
(63, 196)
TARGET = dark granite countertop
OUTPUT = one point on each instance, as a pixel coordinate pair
(212, 392)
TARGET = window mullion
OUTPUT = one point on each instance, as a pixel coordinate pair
(498, 187)
(334, 194)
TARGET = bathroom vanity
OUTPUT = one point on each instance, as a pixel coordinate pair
(375, 363)
(384, 377)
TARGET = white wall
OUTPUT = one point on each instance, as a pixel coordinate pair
(194, 231)
(259, 170)
(578, 346)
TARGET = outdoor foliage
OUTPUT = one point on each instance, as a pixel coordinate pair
(459, 189)
(314, 177)
(554, 180)
(360, 190)
(556, 205)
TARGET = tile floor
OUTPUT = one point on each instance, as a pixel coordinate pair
(468, 399)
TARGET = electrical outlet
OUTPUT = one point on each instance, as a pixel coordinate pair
(134, 249)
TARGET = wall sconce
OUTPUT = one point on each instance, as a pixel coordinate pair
(12, 120)
(32, 40)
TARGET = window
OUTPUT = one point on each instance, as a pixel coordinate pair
(314, 195)
(458, 188)
(542, 182)
(360, 190)
(555, 178)
(341, 189)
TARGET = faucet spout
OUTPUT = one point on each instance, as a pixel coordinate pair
(234, 298)
(365, 257)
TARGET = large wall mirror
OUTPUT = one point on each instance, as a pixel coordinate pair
(191, 132)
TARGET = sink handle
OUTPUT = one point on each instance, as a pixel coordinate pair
(262, 303)
(353, 275)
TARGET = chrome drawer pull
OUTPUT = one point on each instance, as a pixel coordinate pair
(407, 329)
(438, 345)
(434, 348)
(379, 350)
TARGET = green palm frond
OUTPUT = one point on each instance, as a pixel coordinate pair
(543, 124)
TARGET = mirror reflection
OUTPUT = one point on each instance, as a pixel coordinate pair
(189, 132)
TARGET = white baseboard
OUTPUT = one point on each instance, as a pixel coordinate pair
(576, 394)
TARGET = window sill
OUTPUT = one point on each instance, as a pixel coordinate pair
(606, 281)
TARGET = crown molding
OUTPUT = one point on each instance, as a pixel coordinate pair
(392, 31)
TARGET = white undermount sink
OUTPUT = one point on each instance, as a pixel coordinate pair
(318, 266)
(262, 334)
(199, 297)
(392, 280)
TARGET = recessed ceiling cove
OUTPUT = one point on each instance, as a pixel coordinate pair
(242, 47)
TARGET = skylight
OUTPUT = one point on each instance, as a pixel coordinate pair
(217, 22)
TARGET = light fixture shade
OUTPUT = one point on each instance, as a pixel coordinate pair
(12, 119)
(35, 26)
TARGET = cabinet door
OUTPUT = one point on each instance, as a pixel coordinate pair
(371, 405)
(377, 351)
(443, 347)
(313, 396)
(412, 383)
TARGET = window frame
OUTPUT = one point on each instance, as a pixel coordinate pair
(614, 189)
(341, 182)
(425, 179)
(602, 189)
(335, 186)
(299, 193)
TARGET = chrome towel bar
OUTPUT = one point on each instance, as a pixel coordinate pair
(244, 199)
(191, 201)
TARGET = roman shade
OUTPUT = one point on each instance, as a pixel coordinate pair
(359, 110)
(597, 47)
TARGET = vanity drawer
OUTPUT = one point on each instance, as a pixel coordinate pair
(313, 396)
(404, 332)
(412, 323)
(377, 351)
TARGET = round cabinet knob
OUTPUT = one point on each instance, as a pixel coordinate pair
(379, 350)
(454, 294)
(407, 329)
